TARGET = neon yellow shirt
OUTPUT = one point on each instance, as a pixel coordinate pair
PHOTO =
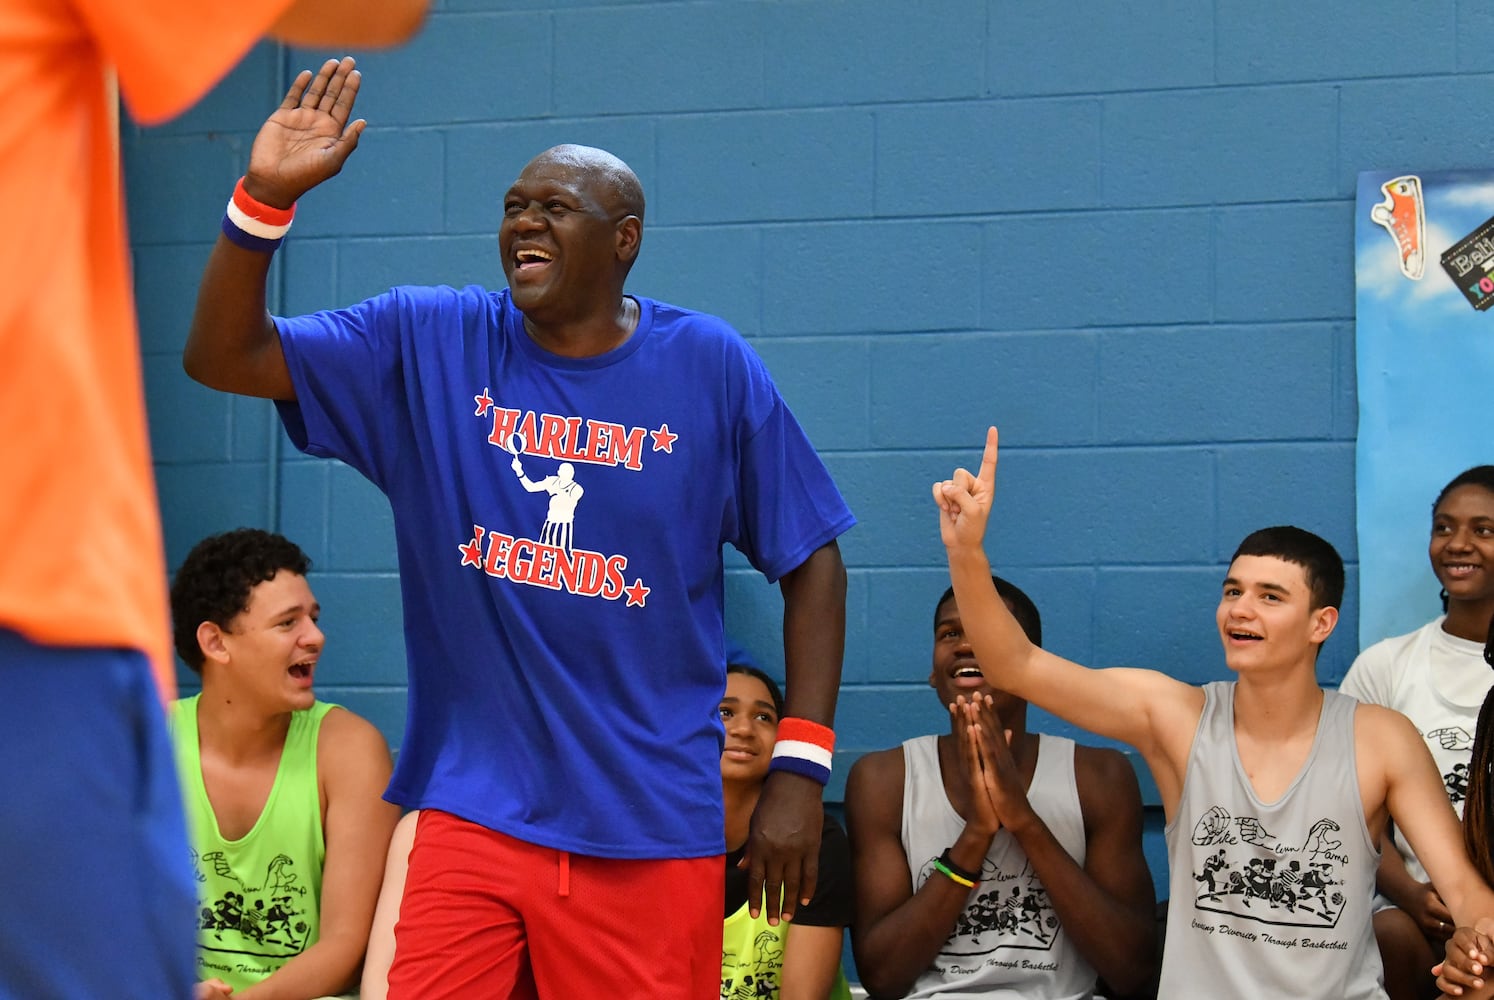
(259, 897)
(752, 959)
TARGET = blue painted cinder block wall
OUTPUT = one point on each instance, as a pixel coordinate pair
(1122, 232)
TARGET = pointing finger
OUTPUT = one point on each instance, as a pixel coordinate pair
(988, 458)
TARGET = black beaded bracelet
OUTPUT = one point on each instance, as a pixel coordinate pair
(964, 873)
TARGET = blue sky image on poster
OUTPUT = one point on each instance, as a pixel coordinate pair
(1424, 344)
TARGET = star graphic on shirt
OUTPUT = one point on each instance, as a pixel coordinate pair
(484, 403)
(472, 551)
(637, 593)
(664, 439)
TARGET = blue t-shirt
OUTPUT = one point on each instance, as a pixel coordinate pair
(563, 622)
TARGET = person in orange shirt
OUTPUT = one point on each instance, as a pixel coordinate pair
(94, 898)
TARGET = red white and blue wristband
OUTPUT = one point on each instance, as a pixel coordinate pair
(254, 225)
(804, 748)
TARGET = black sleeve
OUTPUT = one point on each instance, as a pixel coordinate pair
(833, 899)
(736, 882)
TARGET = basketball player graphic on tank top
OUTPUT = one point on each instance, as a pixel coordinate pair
(1257, 876)
(1013, 911)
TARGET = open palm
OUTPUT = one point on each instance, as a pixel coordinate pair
(308, 138)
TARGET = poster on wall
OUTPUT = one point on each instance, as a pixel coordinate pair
(1424, 344)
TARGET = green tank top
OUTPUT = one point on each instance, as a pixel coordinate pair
(752, 958)
(259, 897)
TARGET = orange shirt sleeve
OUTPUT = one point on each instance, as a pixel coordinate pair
(168, 53)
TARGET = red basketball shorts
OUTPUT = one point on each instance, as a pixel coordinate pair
(486, 915)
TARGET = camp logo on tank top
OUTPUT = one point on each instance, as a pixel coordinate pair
(268, 919)
(750, 976)
(1259, 877)
(1008, 940)
(1013, 911)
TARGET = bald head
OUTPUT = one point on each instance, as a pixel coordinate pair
(611, 178)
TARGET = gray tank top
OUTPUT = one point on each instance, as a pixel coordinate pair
(1271, 901)
(1008, 942)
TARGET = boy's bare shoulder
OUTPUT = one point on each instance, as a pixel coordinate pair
(1105, 777)
(1381, 722)
(1101, 763)
(347, 741)
(1385, 740)
(877, 769)
(343, 725)
(874, 791)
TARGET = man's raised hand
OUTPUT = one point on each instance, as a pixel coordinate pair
(964, 501)
(308, 138)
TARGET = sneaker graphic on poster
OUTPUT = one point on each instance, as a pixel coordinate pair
(1404, 216)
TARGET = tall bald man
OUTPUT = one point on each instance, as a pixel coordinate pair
(562, 737)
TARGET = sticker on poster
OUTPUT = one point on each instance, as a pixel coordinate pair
(1470, 264)
(1403, 214)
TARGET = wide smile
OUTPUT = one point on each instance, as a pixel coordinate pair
(303, 672)
(967, 674)
(530, 260)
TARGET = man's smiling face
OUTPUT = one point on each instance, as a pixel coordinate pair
(560, 239)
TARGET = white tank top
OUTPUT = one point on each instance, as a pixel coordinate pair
(1008, 942)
